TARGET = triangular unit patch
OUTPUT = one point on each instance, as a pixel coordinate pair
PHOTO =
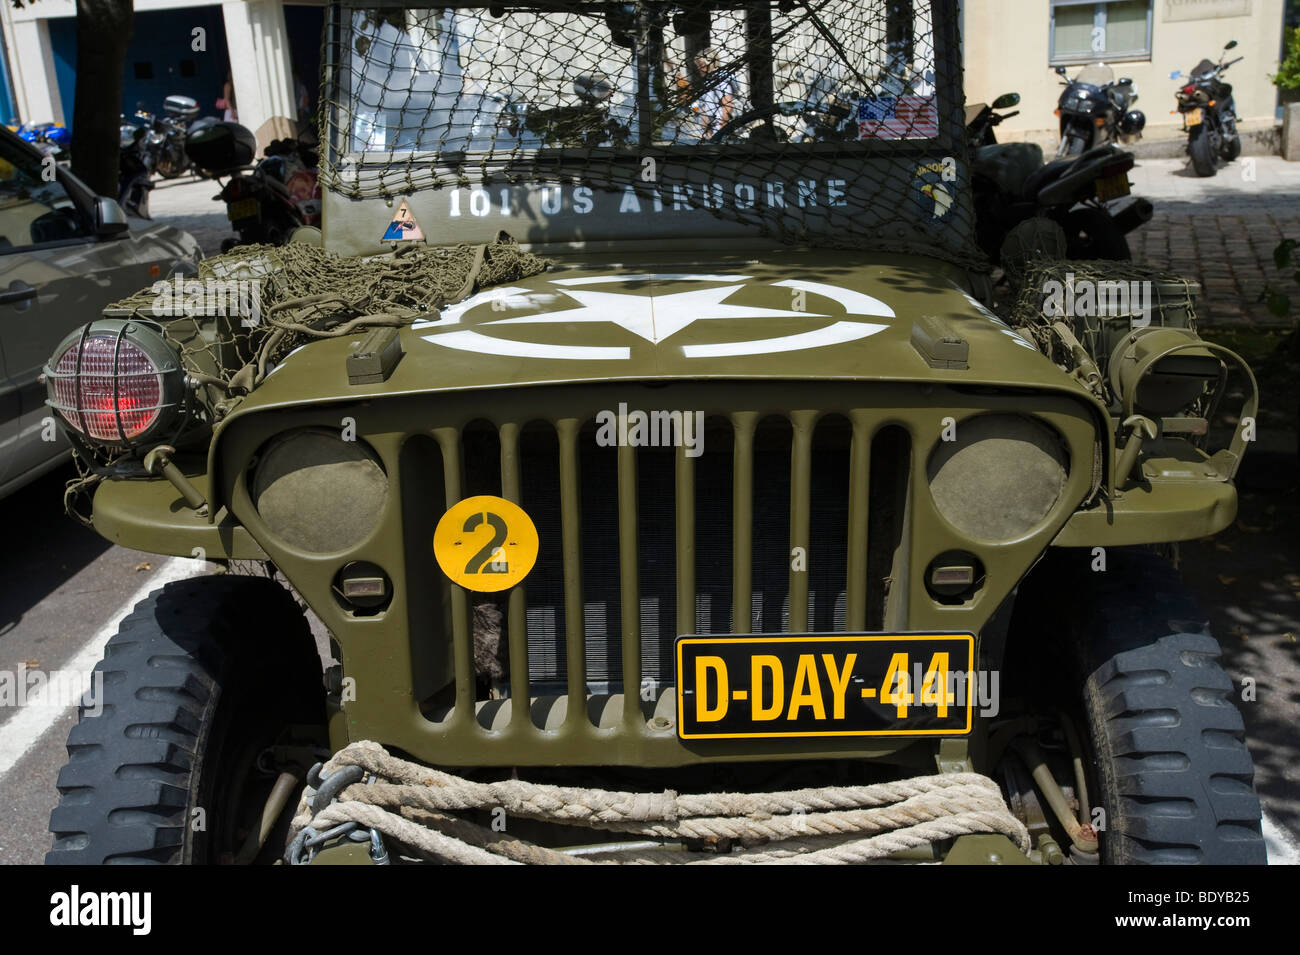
(403, 228)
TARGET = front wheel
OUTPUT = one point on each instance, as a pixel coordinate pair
(1174, 776)
(1073, 143)
(173, 164)
(1231, 148)
(1092, 234)
(1201, 148)
(210, 692)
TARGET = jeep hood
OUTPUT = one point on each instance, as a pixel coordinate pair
(793, 315)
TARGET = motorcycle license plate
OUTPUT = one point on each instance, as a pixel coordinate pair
(1193, 117)
(822, 685)
(1111, 187)
(243, 209)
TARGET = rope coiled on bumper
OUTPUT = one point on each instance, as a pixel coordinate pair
(412, 805)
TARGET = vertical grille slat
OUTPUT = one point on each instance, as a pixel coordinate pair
(462, 627)
(802, 423)
(685, 538)
(571, 517)
(859, 495)
(641, 544)
(629, 588)
(742, 526)
(517, 611)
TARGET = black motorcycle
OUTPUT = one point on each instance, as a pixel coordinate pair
(171, 129)
(134, 168)
(1209, 115)
(266, 202)
(1094, 109)
(1070, 208)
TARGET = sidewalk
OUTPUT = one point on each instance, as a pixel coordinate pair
(1221, 231)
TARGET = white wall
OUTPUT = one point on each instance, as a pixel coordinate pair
(1006, 50)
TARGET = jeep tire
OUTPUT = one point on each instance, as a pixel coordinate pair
(201, 677)
(1167, 752)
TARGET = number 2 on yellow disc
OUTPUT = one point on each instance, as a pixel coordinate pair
(485, 543)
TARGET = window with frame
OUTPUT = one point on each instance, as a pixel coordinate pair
(1085, 31)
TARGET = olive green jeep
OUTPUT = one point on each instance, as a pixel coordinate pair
(718, 475)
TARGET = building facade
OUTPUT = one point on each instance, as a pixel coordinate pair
(178, 47)
(1014, 46)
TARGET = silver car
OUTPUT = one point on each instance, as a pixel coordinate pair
(65, 254)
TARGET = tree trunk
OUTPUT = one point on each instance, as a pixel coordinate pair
(103, 33)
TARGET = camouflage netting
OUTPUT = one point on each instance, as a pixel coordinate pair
(832, 123)
(1074, 309)
(302, 292)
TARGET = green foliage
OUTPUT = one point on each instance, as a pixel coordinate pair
(1287, 76)
(1284, 257)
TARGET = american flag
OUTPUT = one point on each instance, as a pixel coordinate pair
(898, 117)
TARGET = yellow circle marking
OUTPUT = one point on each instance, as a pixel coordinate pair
(485, 543)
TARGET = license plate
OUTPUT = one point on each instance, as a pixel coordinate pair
(895, 684)
(1111, 187)
(243, 209)
(1193, 117)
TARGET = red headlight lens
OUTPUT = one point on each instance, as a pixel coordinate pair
(114, 393)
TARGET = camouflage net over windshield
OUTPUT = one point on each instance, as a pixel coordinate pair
(250, 307)
(831, 122)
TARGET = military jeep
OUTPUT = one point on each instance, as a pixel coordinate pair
(718, 474)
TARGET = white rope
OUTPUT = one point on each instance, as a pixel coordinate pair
(412, 805)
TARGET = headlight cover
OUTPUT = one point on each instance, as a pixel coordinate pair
(318, 493)
(1000, 478)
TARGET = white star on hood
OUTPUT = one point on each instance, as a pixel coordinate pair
(652, 318)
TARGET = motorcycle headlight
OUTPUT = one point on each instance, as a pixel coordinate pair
(117, 382)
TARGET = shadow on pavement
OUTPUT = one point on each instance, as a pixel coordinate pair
(46, 546)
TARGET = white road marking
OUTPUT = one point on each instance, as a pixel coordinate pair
(1280, 844)
(21, 731)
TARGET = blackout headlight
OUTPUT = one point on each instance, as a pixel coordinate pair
(317, 492)
(1000, 478)
(117, 382)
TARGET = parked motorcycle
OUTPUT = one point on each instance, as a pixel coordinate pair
(1069, 208)
(52, 139)
(172, 127)
(1094, 109)
(267, 201)
(134, 169)
(1209, 114)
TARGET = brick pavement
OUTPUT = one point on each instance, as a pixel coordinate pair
(1221, 231)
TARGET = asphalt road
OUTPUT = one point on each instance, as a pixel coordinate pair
(64, 589)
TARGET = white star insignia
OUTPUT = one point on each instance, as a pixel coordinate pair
(654, 319)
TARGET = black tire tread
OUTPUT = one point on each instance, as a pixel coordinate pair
(1169, 741)
(1200, 148)
(132, 777)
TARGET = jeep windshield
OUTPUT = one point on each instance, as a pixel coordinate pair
(626, 76)
(819, 123)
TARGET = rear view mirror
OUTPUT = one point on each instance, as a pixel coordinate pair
(1231, 44)
(1060, 71)
(109, 217)
(1125, 81)
(1006, 101)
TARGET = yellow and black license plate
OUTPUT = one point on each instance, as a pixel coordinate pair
(1192, 117)
(900, 684)
(1112, 187)
(243, 209)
